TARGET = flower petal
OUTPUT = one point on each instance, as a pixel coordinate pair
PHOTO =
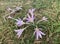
(42, 33)
(9, 17)
(19, 32)
(37, 36)
(16, 30)
(28, 15)
(19, 22)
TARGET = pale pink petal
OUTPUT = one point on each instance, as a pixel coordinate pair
(38, 33)
(33, 9)
(42, 33)
(9, 17)
(44, 18)
(37, 36)
(28, 15)
(19, 32)
(20, 22)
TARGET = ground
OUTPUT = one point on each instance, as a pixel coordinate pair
(48, 8)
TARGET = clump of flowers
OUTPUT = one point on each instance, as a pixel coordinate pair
(29, 20)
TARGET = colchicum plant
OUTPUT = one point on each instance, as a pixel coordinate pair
(29, 19)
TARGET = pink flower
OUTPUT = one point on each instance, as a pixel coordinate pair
(9, 17)
(38, 33)
(31, 11)
(13, 11)
(18, 8)
(30, 18)
(19, 32)
(9, 9)
(19, 22)
(44, 19)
